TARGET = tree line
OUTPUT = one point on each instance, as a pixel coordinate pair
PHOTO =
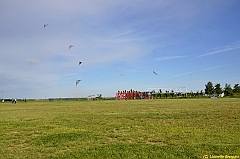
(211, 89)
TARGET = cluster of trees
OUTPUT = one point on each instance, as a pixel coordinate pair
(170, 94)
(217, 89)
(210, 90)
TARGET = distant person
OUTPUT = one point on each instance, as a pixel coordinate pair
(12, 101)
(2, 100)
(15, 101)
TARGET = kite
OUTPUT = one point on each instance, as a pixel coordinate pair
(155, 73)
(44, 25)
(122, 74)
(79, 63)
(70, 46)
(77, 81)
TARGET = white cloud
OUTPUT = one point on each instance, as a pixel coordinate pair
(207, 69)
(8, 79)
(32, 61)
(169, 57)
(229, 48)
(122, 74)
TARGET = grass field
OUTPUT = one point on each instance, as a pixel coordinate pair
(176, 128)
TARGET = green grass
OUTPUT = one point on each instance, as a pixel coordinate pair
(177, 128)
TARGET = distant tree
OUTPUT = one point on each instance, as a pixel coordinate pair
(99, 96)
(172, 93)
(166, 94)
(197, 94)
(209, 89)
(236, 88)
(218, 89)
(179, 94)
(160, 93)
(228, 90)
(191, 94)
(153, 92)
(201, 93)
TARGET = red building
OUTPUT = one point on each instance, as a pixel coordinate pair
(127, 95)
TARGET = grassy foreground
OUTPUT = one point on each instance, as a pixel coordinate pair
(177, 128)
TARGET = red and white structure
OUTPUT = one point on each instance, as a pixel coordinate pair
(127, 95)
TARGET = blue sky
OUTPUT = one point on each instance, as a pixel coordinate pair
(120, 44)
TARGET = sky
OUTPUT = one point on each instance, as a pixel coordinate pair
(120, 43)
